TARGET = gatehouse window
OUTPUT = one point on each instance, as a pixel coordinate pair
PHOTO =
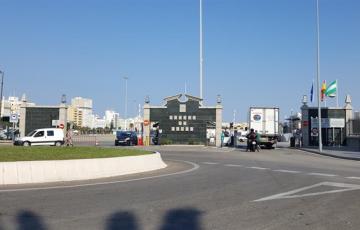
(182, 108)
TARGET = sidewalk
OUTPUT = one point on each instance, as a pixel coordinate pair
(341, 153)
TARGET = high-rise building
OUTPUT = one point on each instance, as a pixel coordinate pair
(80, 112)
(357, 115)
(112, 117)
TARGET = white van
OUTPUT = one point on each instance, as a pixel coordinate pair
(49, 136)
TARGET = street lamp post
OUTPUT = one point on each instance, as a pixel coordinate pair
(1, 93)
(291, 122)
(126, 79)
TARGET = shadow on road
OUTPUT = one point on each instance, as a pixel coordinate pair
(122, 220)
(179, 219)
(175, 219)
(27, 220)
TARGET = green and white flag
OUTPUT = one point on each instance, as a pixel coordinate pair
(331, 89)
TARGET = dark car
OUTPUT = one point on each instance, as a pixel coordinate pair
(126, 138)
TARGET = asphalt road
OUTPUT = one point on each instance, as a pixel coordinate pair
(203, 188)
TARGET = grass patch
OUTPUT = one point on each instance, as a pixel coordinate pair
(14, 153)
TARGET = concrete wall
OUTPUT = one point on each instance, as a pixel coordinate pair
(25, 172)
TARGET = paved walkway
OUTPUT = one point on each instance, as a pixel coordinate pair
(336, 152)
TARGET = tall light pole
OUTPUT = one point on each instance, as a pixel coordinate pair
(318, 74)
(125, 118)
(201, 52)
(1, 93)
(291, 122)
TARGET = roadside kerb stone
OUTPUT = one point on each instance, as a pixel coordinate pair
(324, 153)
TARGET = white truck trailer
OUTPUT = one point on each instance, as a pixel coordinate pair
(265, 120)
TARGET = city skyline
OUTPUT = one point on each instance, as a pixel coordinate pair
(258, 50)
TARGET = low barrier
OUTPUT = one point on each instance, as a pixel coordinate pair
(85, 140)
(25, 172)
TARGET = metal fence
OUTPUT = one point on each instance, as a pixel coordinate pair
(354, 127)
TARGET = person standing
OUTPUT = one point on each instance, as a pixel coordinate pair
(257, 141)
(222, 138)
(69, 141)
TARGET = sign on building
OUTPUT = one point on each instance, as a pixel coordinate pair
(14, 118)
(328, 123)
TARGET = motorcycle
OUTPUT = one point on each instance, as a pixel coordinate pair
(253, 145)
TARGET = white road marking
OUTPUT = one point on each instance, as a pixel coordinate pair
(286, 171)
(231, 165)
(195, 167)
(210, 163)
(257, 168)
(353, 177)
(322, 174)
(287, 195)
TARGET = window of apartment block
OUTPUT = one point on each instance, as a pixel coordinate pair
(171, 117)
(172, 128)
(191, 129)
(180, 123)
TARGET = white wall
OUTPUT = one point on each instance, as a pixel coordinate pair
(25, 172)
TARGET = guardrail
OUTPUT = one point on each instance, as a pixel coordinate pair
(92, 140)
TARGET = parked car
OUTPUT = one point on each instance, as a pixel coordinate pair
(126, 138)
(50, 136)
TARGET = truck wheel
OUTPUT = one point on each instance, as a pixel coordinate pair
(58, 144)
(26, 143)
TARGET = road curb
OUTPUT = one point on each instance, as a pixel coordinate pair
(328, 154)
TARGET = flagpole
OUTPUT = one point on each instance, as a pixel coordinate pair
(337, 94)
(325, 94)
(318, 74)
(201, 51)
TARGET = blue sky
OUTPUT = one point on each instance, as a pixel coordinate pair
(256, 52)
